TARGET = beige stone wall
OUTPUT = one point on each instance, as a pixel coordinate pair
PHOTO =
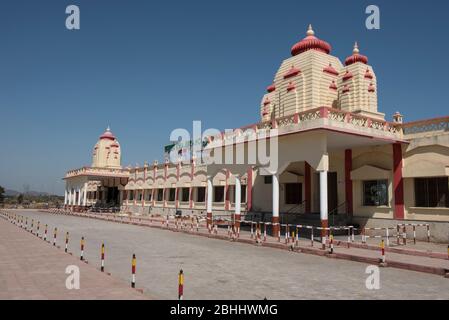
(311, 84)
(426, 156)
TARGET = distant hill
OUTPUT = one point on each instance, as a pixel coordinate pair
(11, 193)
(14, 193)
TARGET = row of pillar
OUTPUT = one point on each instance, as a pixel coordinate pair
(275, 195)
(71, 199)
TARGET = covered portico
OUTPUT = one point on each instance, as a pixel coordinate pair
(95, 187)
(322, 159)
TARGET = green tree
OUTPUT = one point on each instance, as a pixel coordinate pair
(2, 194)
(20, 198)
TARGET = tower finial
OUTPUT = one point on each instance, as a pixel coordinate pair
(356, 48)
(310, 31)
(108, 128)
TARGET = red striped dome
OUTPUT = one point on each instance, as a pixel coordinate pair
(356, 57)
(311, 43)
(108, 135)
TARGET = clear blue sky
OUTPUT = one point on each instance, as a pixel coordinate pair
(147, 67)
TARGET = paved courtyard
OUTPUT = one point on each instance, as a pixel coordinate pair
(216, 269)
(33, 269)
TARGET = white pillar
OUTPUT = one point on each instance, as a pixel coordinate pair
(65, 197)
(275, 196)
(238, 195)
(71, 197)
(209, 194)
(79, 196)
(85, 195)
(323, 196)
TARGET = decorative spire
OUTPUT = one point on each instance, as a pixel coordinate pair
(311, 43)
(356, 48)
(108, 134)
(310, 31)
(356, 56)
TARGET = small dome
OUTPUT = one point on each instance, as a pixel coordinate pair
(292, 72)
(271, 88)
(331, 70)
(311, 43)
(356, 57)
(108, 135)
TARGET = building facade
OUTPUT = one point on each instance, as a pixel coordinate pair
(337, 156)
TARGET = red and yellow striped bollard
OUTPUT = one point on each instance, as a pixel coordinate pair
(133, 271)
(181, 285)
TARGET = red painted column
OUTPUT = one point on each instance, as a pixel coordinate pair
(308, 186)
(348, 183)
(249, 189)
(398, 183)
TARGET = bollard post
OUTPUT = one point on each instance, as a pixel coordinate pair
(82, 249)
(180, 285)
(264, 232)
(331, 241)
(363, 235)
(252, 230)
(45, 233)
(133, 271)
(286, 235)
(382, 248)
(32, 226)
(66, 242)
(26, 223)
(102, 258)
(398, 233)
(311, 236)
(38, 227)
(297, 236)
(404, 235)
(428, 233)
(414, 234)
(54, 236)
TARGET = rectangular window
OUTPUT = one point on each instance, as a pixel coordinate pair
(268, 179)
(219, 194)
(293, 193)
(148, 194)
(185, 195)
(139, 195)
(201, 194)
(432, 192)
(130, 195)
(160, 194)
(172, 194)
(375, 193)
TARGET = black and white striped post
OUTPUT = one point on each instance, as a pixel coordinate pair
(66, 242)
(102, 258)
(331, 241)
(55, 232)
(82, 249)
(45, 232)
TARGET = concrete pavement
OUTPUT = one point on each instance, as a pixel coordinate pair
(216, 269)
(33, 269)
